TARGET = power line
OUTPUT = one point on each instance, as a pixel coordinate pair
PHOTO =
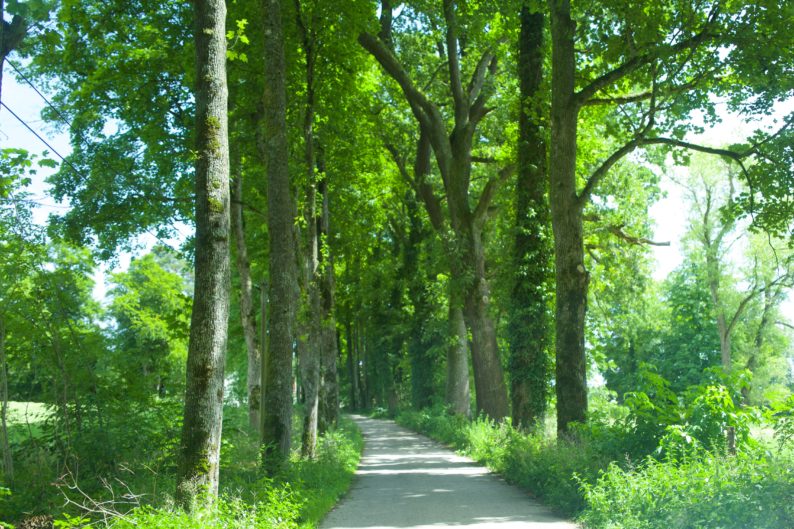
(70, 164)
(51, 105)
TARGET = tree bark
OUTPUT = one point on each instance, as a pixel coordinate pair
(489, 385)
(528, 325)
(352, 365)
(310, 377)
(277, 414)
(247, 313)
(566, 215)
(457, 390)
(201, 431)
(8, 461)
(329, 387)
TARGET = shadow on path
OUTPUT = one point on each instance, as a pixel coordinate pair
(407, 480)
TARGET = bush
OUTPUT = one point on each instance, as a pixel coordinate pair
(298, 497)
(707, 492)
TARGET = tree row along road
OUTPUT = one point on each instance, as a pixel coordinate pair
(407, 480)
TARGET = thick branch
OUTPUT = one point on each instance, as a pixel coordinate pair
(461, 102)
(733, 155)
(421, 106)
(486, 64)
(637, 62)
(599, 173)
(386, 23)
(618, 232)
(488, 192)
(642, 96)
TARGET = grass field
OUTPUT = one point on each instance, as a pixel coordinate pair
(24, 420)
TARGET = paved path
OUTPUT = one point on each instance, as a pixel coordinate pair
(407, 480)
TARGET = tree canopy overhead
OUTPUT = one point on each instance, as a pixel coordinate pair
(421, 204)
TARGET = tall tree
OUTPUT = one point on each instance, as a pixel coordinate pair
(655, 64)
(201, 432)
(467, 212)
(247, 312)
(329, 388)
(528, 326)
(277, 367)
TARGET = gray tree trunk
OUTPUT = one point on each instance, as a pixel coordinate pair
(247, 313)
(277, 404)
(352, 365)
(457, 391)
(201, 431)
(329, 387)
(566, 215)
(489, 384)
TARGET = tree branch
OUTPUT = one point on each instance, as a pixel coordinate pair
(639, 61)
(421, 106)
(458, 96)
(618, 232)
(493, 185)
(487, 63)
(599, 173)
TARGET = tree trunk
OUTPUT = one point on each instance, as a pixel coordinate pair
(201, 431)
(277, 413)
(310, 377)
(418, 350)
(457, 392)
(528, 325)
(247, 313)
(566, 217)
(364, 370)
(489, 385)
(758, 340)
(310, 358)
(8, 461)
(352, 365)
(329, 387)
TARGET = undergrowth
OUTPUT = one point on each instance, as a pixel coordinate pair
(138, 493)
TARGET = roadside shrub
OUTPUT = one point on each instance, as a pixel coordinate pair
(706, 492)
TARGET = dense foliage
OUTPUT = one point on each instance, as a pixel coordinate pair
(441, 205)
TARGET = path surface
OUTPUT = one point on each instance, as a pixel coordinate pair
(407, 480)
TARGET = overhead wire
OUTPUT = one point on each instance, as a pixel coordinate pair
(45, 142)
(62, 117)
(46, 100)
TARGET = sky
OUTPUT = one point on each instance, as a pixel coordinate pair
(668, 213)
(28, 105)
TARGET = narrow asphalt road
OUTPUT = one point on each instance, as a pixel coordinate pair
(407, 480)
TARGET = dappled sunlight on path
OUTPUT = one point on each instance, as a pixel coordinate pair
(407, 480)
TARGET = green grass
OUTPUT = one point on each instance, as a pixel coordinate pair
(25, 420)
